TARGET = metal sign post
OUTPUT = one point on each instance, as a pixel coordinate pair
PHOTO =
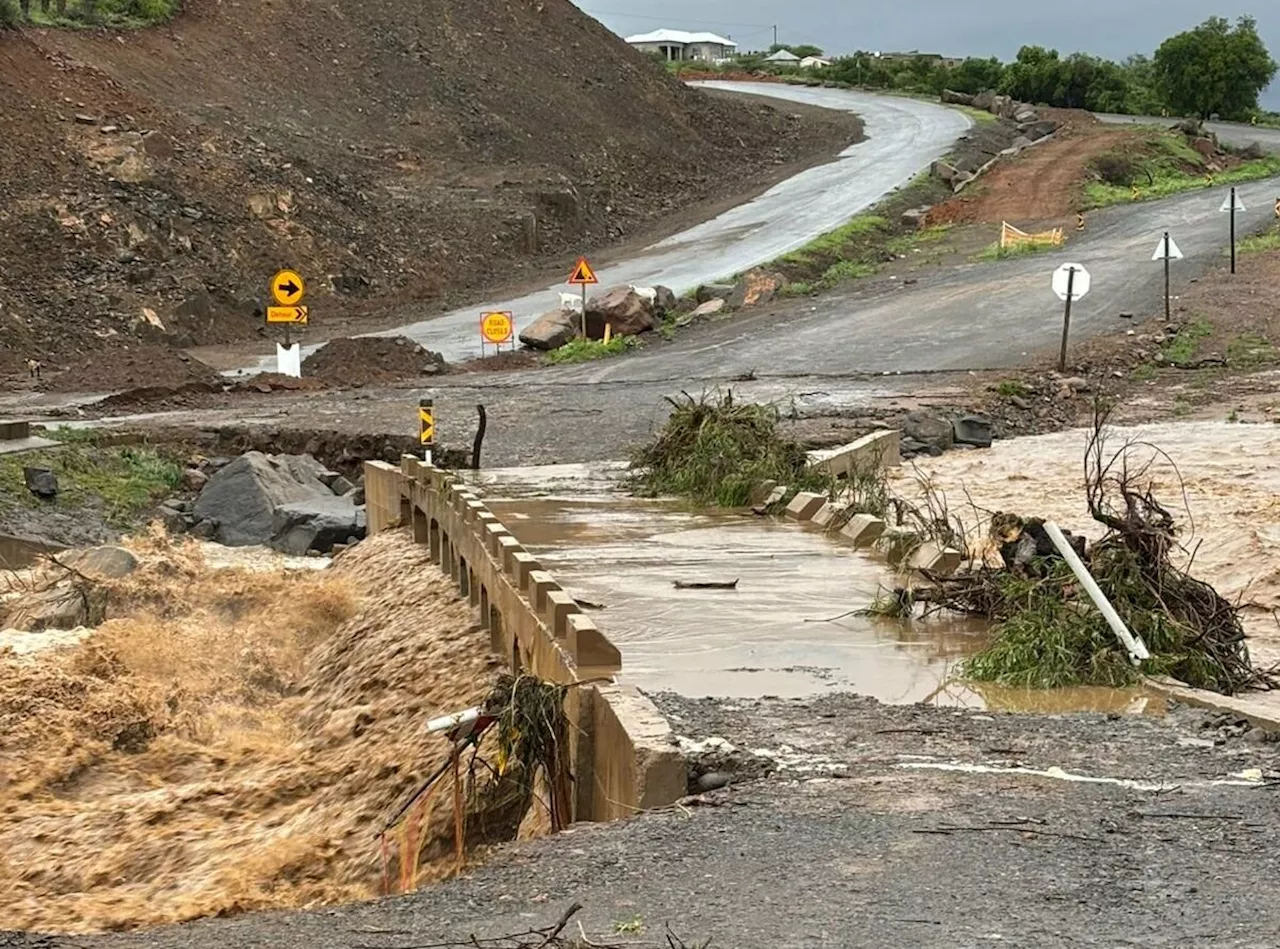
(1167, 250)
(583, 276)
(1232, 204)
(426, 427)
(287, 290)
(1070, 282)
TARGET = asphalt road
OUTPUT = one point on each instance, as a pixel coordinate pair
(1232, 133)
(903, 136)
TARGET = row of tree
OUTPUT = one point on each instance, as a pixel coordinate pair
(1214, 69)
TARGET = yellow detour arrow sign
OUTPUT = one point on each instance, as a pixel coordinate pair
(288, 288)
(426, 422)
(1277, 207)
(496, 327)
(288, 314)
(582, 274)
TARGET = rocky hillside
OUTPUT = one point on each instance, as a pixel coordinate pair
(396, 152)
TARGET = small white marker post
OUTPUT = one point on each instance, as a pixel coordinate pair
(1070, 282)
(1232, 203)
(1167, 250)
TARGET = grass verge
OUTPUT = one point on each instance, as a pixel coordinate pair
(996, 252)
(1182, 348)
(715, 450)
(1260, 243)
(1161, 165)
(586, 350)
(79, 14)
(124, 480)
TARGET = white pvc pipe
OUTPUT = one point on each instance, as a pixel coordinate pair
(1137, 648)
(454, 720)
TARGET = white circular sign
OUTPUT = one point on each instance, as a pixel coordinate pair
(1079, 284)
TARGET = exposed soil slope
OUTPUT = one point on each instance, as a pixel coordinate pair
(392, 152)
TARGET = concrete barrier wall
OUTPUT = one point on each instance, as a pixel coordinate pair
(622, 753)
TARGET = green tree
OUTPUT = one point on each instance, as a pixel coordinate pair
(802, 50)
(1037, 76)
(1140, 78)
(976, 75)
(1214, 69)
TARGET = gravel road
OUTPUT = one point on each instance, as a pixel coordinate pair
(865, 836)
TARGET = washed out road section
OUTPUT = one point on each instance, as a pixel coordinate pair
(903, 137)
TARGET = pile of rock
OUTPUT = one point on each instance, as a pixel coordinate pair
(627, 311)
(291, 503)
(924, 433)
(1031, 128)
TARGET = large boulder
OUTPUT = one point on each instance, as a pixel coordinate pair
(956, 98)
(757, 286)
(1038, 130)
(550, 330)
(241, 499)
(664, 301)
(101, 563)
(316, 524)
(41, 482)
(627, 312)
(983, 100)
(64, 606)
(928, 429)
(713, 291)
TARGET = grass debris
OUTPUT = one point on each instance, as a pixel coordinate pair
(714, 449)
(586, 350)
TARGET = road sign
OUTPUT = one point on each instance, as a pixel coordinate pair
(1079, 282)
(1227, 202)
(426, 423)
(1167, 249)
(296, 315)
(1079, 222)
(582, 274)
(288, 288)
(1277, 207)
(496, 327)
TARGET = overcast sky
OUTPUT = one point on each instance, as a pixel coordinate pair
(1111, 28)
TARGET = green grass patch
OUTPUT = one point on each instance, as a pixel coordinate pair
(996, 252)
(979, 116)
(797, 288)
(1182, 348)
(846, 270)
(832, 242)
(1250, 351)
(124, 480)
(1260, 243)
(905, 243)
(715, 450)
(586, 350)
(1164, 164)
(1011, 387)
(1143, 373)
(117, 14)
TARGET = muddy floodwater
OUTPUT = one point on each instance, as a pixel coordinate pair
(788, 629)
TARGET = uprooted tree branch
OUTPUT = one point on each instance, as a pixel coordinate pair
(1047, 633)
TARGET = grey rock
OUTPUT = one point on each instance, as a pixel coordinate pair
(356, 495)
(945, 171)
(714, 780)
(241, 498)
(316, 524)
(205, 530)
(1021, 142)
(713, 291)
(956, 98)
(915, 217)
(341, 486)
(665, 300)
(101, 563)
(551, 330)
(41, 482)
(1025, 115)
(194, 479)
(621, 308)
(64, 606)
(929, 429)
(973, 430)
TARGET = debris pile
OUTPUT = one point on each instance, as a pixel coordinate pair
(715, 450)
(1047, 631)
(369, 360)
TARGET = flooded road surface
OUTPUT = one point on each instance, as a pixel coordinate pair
(788, 629)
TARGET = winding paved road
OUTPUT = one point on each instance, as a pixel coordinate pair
(903, 137)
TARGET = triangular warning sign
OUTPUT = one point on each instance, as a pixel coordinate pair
(1170, 251)
(582, 274)
(1228, 201)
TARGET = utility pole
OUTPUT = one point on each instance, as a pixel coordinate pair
(775, 34)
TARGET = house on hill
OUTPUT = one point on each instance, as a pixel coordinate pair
(783, 57)
(678, 46)
(815, 62)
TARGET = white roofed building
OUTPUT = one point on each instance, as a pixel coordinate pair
(677, 45)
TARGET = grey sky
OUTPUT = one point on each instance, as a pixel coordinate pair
(1111, 28)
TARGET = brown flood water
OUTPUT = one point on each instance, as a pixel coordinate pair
(787, 630)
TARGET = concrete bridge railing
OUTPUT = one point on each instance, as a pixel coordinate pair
(622, 753)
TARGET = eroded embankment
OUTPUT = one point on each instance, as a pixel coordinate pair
(232, 741)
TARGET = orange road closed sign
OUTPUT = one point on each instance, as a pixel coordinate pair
(582, 274)
(496, 327)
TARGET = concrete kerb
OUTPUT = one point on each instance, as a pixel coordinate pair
(1262, 709)
(623, 756)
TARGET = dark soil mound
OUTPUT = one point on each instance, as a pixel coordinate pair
(390, 151)
(371, 359)
(152, 366)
